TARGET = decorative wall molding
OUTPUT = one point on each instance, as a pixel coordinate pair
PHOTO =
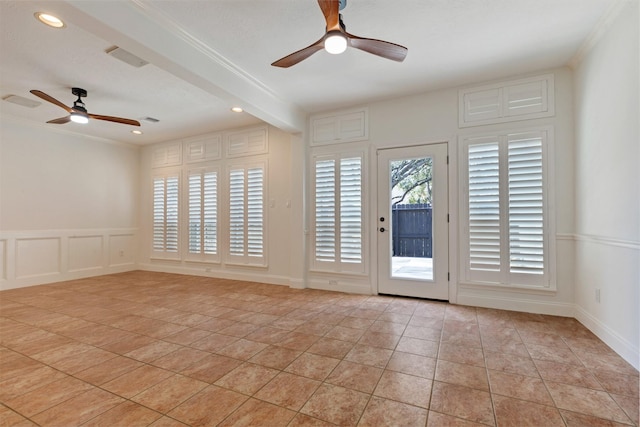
(601, 240)
(35, 257)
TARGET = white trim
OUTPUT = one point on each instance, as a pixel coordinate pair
(364, 289)
(601, 28)
(601, 240)
(241, 275)
(171, 25)
(620, 345)
(548, 159)
(115, 256)
(517, 304)
(501, 89)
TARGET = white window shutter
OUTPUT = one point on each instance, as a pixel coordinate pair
(210, 213)
(507, 238)
(203, 214)
(484, 207)
(325, 211)
(338, 213)
(351, 210)
(255, 204)
(526, 204)
(247, 214)
(165, 215)
(236, 212)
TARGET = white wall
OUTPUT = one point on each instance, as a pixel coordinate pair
(282, 171)
(68, 205)
(608, 185)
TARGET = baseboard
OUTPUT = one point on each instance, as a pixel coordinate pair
(247, 276)
(63, 277)
(340, 287)
(623, 347)
(517, 304)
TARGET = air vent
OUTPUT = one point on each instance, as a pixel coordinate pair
(25, 102)
(127, 57)
(150, 119)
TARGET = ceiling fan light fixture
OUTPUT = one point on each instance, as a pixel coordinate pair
(335, 44)
(50, 20)
(78, 117)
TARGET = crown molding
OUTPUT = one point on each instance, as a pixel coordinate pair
(602, 27)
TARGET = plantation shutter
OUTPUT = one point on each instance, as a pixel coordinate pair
(255, 203)
(526, 204)
(236, 212)
(325, 210)
(165, 215)
(484, 207)
(246, 214)
(338, 231)
(203, 213)
(351, 210)
(506, 237)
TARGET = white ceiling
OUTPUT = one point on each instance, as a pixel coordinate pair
(206, 56)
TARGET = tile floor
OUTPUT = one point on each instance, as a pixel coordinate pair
(153, 349)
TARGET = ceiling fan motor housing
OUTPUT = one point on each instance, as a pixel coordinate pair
(80, 93)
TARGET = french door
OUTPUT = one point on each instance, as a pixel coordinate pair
(412, 223)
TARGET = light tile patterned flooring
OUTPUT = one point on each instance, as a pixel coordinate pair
(140, 348)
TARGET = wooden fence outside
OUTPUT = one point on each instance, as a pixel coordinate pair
(412, 230)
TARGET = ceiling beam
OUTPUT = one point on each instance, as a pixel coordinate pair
(143, 30)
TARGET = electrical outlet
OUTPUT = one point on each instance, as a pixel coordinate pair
(121, 253)
(333, 282)
(598, 295)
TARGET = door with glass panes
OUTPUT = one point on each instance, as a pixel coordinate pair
(412, 222)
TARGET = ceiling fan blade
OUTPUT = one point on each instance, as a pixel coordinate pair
(300, 55)
(51, 99)
(387, 50)
(60, 121)
(115, 119)
(331, 11)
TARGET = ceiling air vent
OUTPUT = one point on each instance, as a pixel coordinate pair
(127, 57)
(25, 102)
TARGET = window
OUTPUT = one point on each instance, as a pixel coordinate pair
(246, 214)
(506, 234)
(165, 215)
(338, 234)
(203, 214)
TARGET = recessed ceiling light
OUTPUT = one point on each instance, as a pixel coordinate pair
(136, 132)
(237, 109)
(50, 20)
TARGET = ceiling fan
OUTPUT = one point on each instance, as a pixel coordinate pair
(78, 113)
(336, 39)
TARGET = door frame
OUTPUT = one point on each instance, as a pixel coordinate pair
(453, 195)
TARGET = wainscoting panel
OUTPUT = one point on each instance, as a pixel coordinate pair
(122, 250)
(35, 257)
(85, 253)
(3, 260)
